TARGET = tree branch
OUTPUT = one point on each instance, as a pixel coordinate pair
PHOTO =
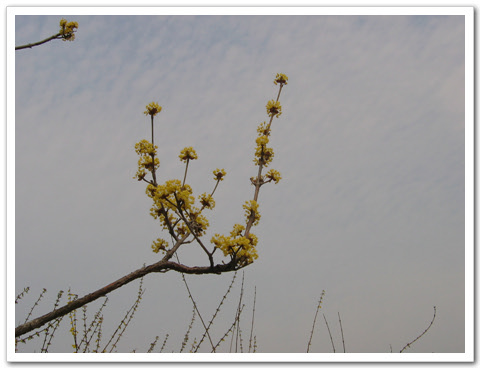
(30, 45)
(161, 266)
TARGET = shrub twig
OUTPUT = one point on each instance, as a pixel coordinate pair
(315, 319)
(329, 333)
(423, 333)
(341, 329)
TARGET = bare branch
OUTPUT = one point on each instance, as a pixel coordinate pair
(30, 45)
(341, 329)
(329, 333)
(423, 333)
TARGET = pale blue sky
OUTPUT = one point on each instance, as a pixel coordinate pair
(371, 147)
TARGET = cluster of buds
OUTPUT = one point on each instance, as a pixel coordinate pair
(147, 160)
(243, 248)
(68, 29)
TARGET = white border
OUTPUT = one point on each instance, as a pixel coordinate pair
(468, 12)
(243, 10)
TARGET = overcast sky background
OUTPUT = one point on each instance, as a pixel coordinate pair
(371, 147)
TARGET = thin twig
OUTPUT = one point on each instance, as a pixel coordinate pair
(22, 294)
(187, 334)
(152, 345)
(423, 333)
(315, 319)
(30, 45)
(216, 311)
(253, 318)
(35, 304)
(164, 342)
(240, 306)
(341, 329)
(129, 314)
(228, 331)
(196, 308)
(154, 174)
(331, 338)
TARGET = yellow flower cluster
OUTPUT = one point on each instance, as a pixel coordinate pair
(159, 245)
(273, 175)
(274, 108)
(152, 109)
(219, 174)
(251, 211)
(147, 152)
(144, 147)
(188, 153)
(207, 201)
(173, 205)
(280, 78)
(172, 195)
(68, 29)
(239, 247)
(262, 140)
(263, 155)
(263, 129)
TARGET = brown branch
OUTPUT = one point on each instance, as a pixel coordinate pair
(30, 45)
(423, 333)
(161, 266)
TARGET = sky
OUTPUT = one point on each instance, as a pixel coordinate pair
(370, 145)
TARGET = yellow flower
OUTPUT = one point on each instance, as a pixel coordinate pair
(198, 223)
(67, 29)
(280, 78)
(153, 109)
(274, 175)
(253, 239)
(263, 129)
(182, 230)
(159, 244)
(219, 174)
(274, 108)
(188, 153)
(251, 210)
(262, 140)
(207, 201)
(237, 230)
(263, 155)
(145, 147)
